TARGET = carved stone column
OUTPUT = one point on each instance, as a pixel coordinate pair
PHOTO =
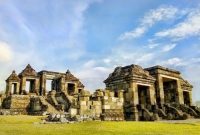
(8, 89)
(159, 87)
(76, 88)
(151, 94)
(62, 84)
(37, 86)
(23, 84)
(43, 85)
(133, 91)
(121, 93)
(190, 97)
(18, 88)
(179, 92)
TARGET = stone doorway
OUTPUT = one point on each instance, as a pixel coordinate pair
(30, 86)
(48, 86)
(14, 88)
(56, 84)
(170, 90)
(143, 95)
(71, 88)
(186, 97)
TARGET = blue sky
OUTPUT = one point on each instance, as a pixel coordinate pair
(92, 37)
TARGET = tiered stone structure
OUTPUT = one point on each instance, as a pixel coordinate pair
(132, 93)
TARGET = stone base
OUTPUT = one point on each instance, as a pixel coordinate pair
(16, 102)
(13, 112)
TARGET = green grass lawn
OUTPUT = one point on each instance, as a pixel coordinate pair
(27, 125)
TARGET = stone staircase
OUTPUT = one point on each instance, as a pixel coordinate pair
(64, 99)
(196, 109)
(147, 114)
(49, 108)
(161, 113)
(51, 98)
(188, 110)
(175, 114)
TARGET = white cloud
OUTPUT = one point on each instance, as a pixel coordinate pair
(122, 55)
(153, 45)
(172, 62)
(177, 62)
(6, 53)
(89, 64)
(107, 61)
(92, 75)
(133, 34)
(144, 58)
(154, 16)
(168, 47)
(189, 27)
(159, 14)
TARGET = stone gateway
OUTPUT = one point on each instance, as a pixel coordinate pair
(132, 93)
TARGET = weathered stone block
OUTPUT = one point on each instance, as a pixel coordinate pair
(73, 111)
(83, 103)
(119, 104)
(121, 100)
(84, 98)
(96, 103)
(106, 107)
(88, 103)
(105, 97)
(111, 94)
(84, 107)
(113, 99)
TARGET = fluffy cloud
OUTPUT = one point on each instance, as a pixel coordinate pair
(180, 62)
(168, 47)
(134, 33)
(92, 75)
(153, 45)
(189, 27)
(172, 62)
(154, 16)
(6, 53)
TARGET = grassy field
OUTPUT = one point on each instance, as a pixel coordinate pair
(28, 125)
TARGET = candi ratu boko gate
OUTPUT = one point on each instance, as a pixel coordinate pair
(132, 93)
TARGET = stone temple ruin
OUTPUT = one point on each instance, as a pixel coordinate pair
(132, 93)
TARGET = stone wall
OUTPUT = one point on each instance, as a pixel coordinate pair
(102, 104)
(17, 102)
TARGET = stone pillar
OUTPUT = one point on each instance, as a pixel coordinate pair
(23, 84)
(190, 97)
(43, 85)
(62, 84)
(18, 87)
(133, 91)
(120, 93)
(160, 89)
(66, 87)
(179, 91)
(37, 86)
(75, 88)
(8, 88)
(151, 94)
